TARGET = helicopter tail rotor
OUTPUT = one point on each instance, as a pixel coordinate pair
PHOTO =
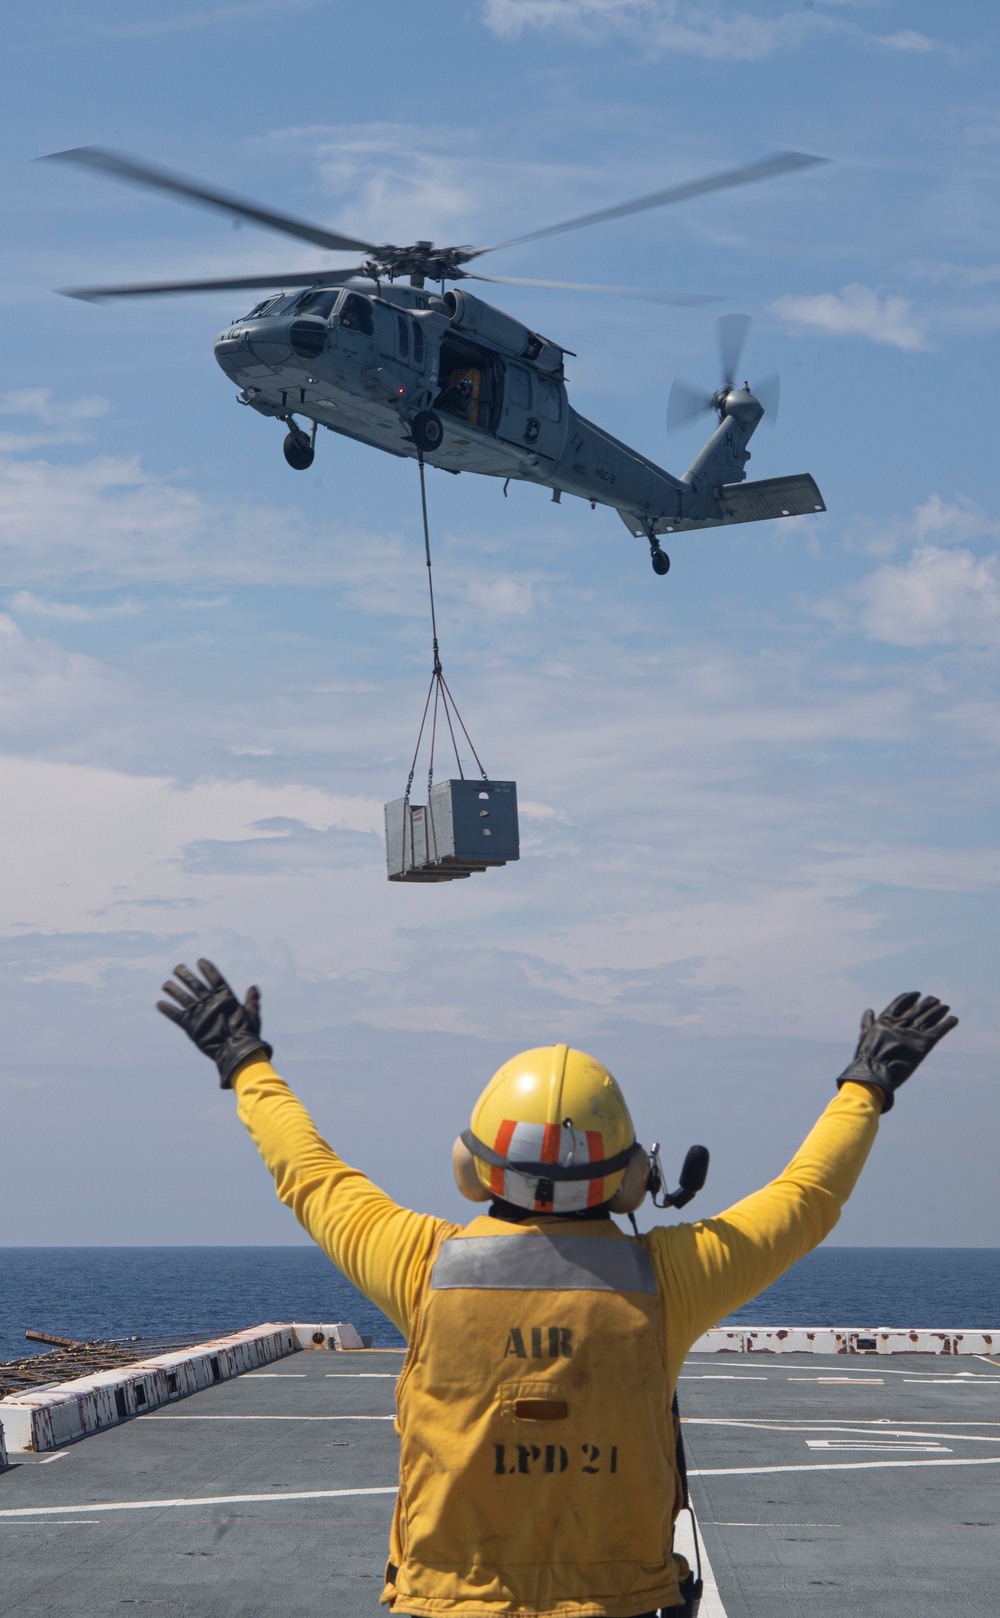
(687, 402)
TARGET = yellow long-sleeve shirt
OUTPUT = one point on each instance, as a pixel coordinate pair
(704, 1270)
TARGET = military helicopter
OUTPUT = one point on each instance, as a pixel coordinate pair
(446, 377)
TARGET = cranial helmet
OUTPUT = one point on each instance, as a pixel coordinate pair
(551, 1132)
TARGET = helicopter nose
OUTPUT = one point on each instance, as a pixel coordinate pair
(232, 351)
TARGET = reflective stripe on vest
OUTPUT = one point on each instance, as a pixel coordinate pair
(542, 1263)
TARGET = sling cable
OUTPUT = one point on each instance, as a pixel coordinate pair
(466, 825)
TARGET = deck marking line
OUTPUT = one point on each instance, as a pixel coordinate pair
(837, 1466)
(887, 1447)
(987, 1360)
(67, 1522)
(200, 1500)
(261, 1376)
(355, 1376)
(266, 1418)
(711, 1601)
(876, 1431)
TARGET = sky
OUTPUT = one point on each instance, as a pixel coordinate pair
(757, 795)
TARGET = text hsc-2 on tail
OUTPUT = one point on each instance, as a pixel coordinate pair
(445, 375)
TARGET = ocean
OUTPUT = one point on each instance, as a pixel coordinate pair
(87, 1292)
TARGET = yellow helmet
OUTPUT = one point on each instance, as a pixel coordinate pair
(551, 1132)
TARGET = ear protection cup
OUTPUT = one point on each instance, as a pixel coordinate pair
(635, 1183)
(466, 1177)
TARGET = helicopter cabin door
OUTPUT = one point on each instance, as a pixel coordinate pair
(534, 411)
(356, 334)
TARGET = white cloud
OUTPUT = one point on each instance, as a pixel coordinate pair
(935, 522)
(907, 39)
(39, 402)
(108, 519)
(700, 29)
(938, 596)
(857, 311)
(415, 181)
(75, 612)
(91, 840)
(502, 597)
(45, 690)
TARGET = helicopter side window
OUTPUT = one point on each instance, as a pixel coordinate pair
(317, 303)
(356, 314)
(418, 344)
(549, 398)
(403, 336)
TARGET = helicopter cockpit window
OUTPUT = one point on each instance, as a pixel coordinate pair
(266, 307)
(418, 344)
(318, 302)
(356, 314)
(549, 398)
(403, 335)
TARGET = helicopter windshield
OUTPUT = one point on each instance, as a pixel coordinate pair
(266, 307)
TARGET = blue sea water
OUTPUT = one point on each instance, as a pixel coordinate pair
(86, 1292)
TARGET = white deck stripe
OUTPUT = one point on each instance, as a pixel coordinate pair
(837, 1466)
(711, 1601)
(876, 1430)
(201, 1500)
(151, 1417)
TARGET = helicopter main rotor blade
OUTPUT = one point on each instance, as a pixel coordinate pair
(680, 300)
(121, 167)
(724, 180)
(768, 394)
(685, 403)
(732, 332)
(149, 289)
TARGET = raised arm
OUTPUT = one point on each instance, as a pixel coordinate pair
(709, 1269)
(378, 1245)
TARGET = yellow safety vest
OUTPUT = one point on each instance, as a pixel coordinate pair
(538, 1472)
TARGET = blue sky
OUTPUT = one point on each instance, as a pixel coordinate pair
(757, 795)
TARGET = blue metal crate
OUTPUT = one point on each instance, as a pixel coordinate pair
(467, 826)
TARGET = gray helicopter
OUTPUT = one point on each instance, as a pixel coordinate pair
(444, 376)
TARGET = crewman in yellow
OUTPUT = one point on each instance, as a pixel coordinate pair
(539, 1466)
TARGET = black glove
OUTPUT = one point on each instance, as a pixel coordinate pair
(893, 1045)
(212, 1016)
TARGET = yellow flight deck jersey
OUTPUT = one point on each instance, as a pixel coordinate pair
(537, 1469)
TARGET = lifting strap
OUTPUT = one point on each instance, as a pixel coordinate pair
(438, 692)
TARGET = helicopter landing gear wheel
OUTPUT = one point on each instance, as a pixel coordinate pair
(299, 452)
(427, 431)
(659, 559)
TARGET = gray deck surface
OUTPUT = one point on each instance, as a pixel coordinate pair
(867, 1510)
(850, 1520)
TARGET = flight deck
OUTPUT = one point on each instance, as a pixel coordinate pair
(823, 1485)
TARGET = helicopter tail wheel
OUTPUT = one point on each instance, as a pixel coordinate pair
(299, 452)
(660, 560)
(427, 431)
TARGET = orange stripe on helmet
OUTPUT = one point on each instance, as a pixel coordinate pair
(505, 1135)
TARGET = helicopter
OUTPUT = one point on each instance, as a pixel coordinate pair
(449, 379)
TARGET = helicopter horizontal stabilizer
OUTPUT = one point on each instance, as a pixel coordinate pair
(795, 496)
